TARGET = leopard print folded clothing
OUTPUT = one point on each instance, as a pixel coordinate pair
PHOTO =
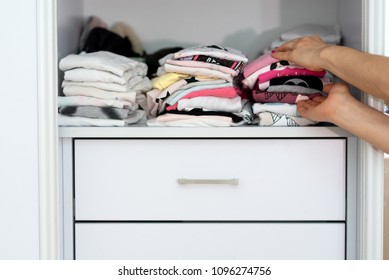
(274, 119)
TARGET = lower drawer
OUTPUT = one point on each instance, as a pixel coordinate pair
(221, 241)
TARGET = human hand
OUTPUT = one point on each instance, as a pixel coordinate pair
(304, 51)
(326, 108)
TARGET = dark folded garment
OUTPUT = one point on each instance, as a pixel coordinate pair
(152, 60)
(200, 112)
(101, 39)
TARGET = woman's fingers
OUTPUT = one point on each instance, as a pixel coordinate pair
(302, 51)
(327, 88)
(288, 46)
(306, 107)
(283, 52)
(319, 98)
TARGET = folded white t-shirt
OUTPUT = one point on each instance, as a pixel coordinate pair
(102, 60)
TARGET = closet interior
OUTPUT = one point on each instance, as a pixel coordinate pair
(252, 27)
(248, 25)
(218, 193)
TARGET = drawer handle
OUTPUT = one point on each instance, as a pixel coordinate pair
(185, 181)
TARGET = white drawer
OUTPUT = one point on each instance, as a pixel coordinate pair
(159, 241)
(136, 179)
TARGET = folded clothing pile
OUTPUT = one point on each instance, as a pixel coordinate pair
(328, 33)
(276, 87)
(102, 89)
(199, 86)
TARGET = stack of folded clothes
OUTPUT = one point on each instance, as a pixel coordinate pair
(277, 86)
(199, 86)
(102, 89)
(328, 33)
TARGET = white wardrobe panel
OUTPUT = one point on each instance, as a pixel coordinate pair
(248, 25)
(19, 229)
(210, 241)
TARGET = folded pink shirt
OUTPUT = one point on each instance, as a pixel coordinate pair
(258, 63)
(286, 71)
(227, 92)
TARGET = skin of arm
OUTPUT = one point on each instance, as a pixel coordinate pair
(342, 109)
(369, 73)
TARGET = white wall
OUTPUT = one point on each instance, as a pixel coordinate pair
(19, 211)
(248, 25)
(350, 20)
(70, 20)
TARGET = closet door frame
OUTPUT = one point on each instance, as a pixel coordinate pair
(49, 187)
(370, 216)
(371, 161)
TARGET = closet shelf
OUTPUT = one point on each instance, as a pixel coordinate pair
(203, 132)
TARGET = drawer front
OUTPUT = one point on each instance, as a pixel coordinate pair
(276, 179)
(221, 241)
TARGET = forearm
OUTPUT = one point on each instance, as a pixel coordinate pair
(369, 73)
(364, 122)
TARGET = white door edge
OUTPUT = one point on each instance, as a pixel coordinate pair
(371, 160)
(47, 129)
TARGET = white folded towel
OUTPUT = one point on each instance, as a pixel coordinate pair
(64, 120)
(129, 96)
(92, 75)
(138, 83)
(99, 85)
(79, 100)
(102, 60)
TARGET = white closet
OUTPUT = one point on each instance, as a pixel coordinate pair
(209, 193)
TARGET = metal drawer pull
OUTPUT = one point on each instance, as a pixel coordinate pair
(185, 181)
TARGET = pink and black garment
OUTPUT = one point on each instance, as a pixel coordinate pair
(266, 67)
(281, 97)
(213, 51)
(311, 82)
(289, 89)
(222, 93)
(235, 65)
(212, 61)
(283, 91)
